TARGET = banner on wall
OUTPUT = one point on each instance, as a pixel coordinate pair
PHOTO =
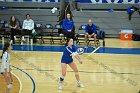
(83, 1)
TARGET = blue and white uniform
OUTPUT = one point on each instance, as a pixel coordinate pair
(67, 54)
(5, 62)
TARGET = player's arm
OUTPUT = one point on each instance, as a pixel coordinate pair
(78, 58)
(75, 54)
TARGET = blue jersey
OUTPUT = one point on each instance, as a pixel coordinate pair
(90, 29)
(67, 54)
(68, 24)
(129, 11)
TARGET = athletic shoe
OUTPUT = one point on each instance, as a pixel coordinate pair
(60, 86)
(10, 86)
(79, 84)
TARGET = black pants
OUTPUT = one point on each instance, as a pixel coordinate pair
(13, 33)
(69, 34)
(26, 32)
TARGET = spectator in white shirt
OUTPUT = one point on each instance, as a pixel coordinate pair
(28, 26)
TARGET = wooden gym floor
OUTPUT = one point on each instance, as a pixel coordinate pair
(101, 72)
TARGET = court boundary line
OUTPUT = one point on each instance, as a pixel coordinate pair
(33, 82)
(129, 80)
(94, 51)
(91, 72)
(20, 89)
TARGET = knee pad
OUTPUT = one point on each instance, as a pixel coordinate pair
(62, 78)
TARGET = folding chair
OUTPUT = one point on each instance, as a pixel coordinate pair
(47, 33)
(2, 31)
(39, 30)
(81, 36)
(56, 35)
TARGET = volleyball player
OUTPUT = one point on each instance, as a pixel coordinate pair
(5, 66)
(70, 50)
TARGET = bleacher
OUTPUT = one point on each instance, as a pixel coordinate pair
(40, 13)
(110, 22)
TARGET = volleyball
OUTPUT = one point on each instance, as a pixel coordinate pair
(80, 51)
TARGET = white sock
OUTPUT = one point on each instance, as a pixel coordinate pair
(78, 82)
(23, 38)
(15, 38)
(11, 41)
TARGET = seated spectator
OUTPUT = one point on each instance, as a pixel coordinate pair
(90, 32)
(131, 10)
(27, 27)
(14, 25)
(68, 27)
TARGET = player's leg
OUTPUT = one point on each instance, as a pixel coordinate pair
(75, 69)
(10, 85)
(64, 69)
(8, 81)
(6, 78)
(11, 78)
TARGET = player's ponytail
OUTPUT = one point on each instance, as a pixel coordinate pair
(6, 45)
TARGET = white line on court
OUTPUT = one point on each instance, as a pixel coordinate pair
(19, 82)
(94, 51)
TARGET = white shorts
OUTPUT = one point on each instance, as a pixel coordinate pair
(2, 70)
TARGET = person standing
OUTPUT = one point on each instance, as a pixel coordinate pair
(5, 67)
(69, 51)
